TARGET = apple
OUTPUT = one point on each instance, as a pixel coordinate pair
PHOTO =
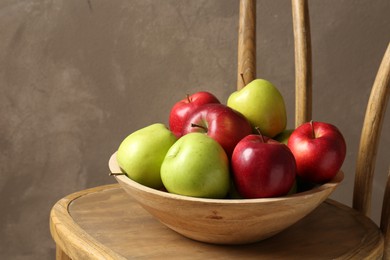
(221, 123)
(262, 104)
(233, 193)
(141, 154)
(182, 109)
(319, 149)
(284, 136)
(263, 167)
(294, 188)
(196, 165)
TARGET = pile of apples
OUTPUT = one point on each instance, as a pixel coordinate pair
(238, 150)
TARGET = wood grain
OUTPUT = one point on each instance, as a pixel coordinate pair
(372, 126)
(106, 223)
(225, 221)
(246, 43)
(60, 255)
(303, 64)
(71, 240)
(385, 218)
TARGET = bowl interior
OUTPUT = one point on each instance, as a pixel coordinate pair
(114, 168)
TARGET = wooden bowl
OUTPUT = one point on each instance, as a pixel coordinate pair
(225, 221)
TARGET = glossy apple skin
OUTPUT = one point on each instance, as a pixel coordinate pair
(141, 154)
(197, 166)
(262, 104)
(262, 169)
(284, 136)
(318, 157)
(182, 109)
(221, 123)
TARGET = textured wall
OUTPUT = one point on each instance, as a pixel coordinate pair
(77, 76)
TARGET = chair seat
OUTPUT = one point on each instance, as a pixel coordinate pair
(106, 223)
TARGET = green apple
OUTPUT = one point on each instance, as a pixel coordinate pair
(283, 136)
(262, 104)
(197, 166)
(294, 188)
(141, 154)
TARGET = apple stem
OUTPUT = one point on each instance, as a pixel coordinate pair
(261, 135)
(242, 77)
(188, 98)
(115, 173)
(312, 129)
(200, 126)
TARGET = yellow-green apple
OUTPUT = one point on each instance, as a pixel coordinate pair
(284, 136)
(262, 104)
(196, 165)
(262, 167)
(184, 107)
(319, 149)
(221, 123)
(141, 154)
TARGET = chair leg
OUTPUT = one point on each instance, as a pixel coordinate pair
(60, 255)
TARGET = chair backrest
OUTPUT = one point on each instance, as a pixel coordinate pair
(369, 140)
(247, 54)
(376, 107)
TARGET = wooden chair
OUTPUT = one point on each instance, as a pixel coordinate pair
(104, 223)
(376, 108)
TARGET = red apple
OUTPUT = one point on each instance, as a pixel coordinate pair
(221, 123)
(262, 167)
(319, 149)
(182, 109)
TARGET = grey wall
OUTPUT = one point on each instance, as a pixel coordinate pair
(76, 77)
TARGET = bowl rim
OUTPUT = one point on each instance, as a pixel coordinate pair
(114, 168)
